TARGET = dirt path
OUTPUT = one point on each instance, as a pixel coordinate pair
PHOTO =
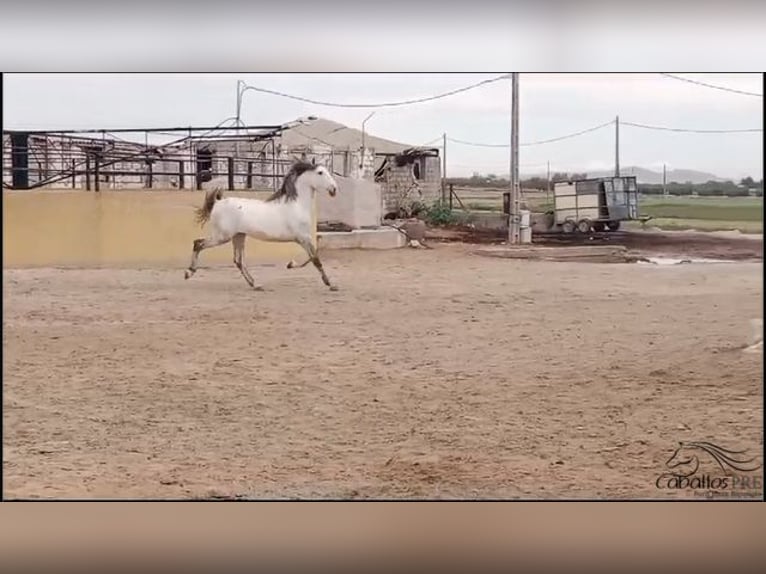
(647, 243)
(431, 373)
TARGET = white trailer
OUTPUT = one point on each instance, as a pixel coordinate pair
(595, 204)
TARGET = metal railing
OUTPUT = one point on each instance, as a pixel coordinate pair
(247, 157)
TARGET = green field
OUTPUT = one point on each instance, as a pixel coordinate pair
(705, 213)
(717, 208)
(685, 212)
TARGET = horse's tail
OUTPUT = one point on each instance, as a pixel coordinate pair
(203, 213)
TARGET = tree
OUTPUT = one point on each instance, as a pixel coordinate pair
(747, 182)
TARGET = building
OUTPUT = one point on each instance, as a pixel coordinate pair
(247, 158)
(406, 174)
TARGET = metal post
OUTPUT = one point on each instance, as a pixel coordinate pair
(150, 174)
(513, 220)
(45, 158)
(548, 183)
(74, 174)
(95, 172)
(664, 181)
(444, 170)
(230, 166)
(617, 146)
(192, 165)
(20, 160)
(87, 171)
(249, 175)
(274, 164)
(450, 196)
(181, 174)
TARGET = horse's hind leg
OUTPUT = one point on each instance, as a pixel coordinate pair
(293, 265)
(314, 258)
(200, 245)
(238, 241)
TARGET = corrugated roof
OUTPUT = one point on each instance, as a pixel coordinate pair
(338, 136)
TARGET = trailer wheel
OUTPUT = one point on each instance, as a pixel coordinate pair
(598, 226)
(568, 226)
(613, 225)
(584, 226)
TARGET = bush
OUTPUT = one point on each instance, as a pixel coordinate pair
(440, 214)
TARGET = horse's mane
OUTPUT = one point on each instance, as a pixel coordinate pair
(288, 190)
(725, 457)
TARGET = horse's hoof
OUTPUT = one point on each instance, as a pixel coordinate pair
(187, 274)
(258, 288)
(333, 287)
(289, 264)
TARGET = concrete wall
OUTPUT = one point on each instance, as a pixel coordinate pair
(115, 228)
(495, 221)
(357, 204)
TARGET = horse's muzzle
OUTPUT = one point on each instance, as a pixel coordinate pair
(332, 191)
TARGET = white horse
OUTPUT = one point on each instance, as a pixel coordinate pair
(286, 216)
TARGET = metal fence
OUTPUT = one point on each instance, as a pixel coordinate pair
(244, 157)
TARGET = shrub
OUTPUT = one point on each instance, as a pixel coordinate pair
(440, 214)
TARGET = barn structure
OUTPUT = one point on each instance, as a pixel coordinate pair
(243, 157)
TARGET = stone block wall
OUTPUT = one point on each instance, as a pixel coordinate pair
(401, 187)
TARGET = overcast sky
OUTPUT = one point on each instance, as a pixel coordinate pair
(551, 105)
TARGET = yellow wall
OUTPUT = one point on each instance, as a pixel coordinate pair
(115, 228)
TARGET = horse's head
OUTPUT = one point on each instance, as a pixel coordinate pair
(304, 176)
(681, 457)
(321, 180)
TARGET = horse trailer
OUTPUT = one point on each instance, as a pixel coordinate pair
(595, 204)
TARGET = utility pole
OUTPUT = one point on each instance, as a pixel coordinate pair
(444, 168)
(364, 149)
(239, 101)
(548, 183)
(513, 221)
(240, 91)
(617, 146)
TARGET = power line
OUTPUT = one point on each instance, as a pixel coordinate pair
(690, 130)
(611, 122)
(431, 142)
(722, 88)
(378, 105)
(581, 132)
(594, 128)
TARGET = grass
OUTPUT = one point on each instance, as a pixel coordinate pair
(673, 213)
(476, 206)
(746, 209)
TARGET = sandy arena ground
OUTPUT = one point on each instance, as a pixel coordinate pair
(430, 374)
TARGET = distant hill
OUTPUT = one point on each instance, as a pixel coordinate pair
(644, 175)
(649, 176)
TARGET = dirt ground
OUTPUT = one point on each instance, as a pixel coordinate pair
(429, 374)
(714, 245)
